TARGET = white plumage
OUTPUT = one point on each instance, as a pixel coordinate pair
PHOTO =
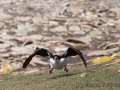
(58, 64)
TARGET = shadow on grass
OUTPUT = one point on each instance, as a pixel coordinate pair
(64, 75)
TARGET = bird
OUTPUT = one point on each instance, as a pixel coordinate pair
(56, 61)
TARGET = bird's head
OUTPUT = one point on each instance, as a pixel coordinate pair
(56, 57)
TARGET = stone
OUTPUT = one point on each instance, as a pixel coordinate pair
(22, 19)
(4, 45)
(23, 29)
(23, 50)
(96, 34)
(61, 48)
(33, 38)
(103, 52)
(59, 29)
(87, 39)
(74, 28)
(111, 22)
(53, 23)
(5, 16)
(39, 21)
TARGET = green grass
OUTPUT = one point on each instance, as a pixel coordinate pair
(98, 78)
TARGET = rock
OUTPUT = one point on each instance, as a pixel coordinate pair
(5, 16)
(116, 10)
(46, 39)
(37, 60)
(63, 10)
(23, 19)
(96, 33)
(5, 55)
(61, 48)
(81, 46)
(22, 0)
(75, 43)
(29, 27)
(69, 33)
(118, 21)
(34, 38)
(2, 24)
(78, 46)
(23, 29)
(5, 45)
(65, 4)
(74, 40)
(82, 31)
(111, 22)
(75, 10)
(53, 23)
(22, 50)
(74, 28)
(90, 16)
(112, 45)
(39, 21)
(82, 15)
(59, 29)
(88, 13)
(87, 39)
(103, 52)
(4, 36)
(83, 74)
(102, 45)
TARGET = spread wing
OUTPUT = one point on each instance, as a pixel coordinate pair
(73, 52)
(41, 52)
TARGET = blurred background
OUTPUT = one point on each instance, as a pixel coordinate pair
(92, 26)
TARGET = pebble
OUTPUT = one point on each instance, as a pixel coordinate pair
(59, 29)
(74, 28)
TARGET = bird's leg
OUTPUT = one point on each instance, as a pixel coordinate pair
(65, 69)
(50, 70)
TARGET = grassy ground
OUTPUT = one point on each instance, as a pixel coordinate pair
(98, 78)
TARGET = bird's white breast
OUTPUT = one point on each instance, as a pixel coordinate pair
(58, 64)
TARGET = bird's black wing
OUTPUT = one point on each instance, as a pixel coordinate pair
(73, 52)
(41, 52)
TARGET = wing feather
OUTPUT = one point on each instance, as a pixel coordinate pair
(41, 52)
(73, 52)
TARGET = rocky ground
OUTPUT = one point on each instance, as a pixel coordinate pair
(92, 26)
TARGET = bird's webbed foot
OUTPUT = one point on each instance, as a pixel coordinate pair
(50, 71)
(65, 69)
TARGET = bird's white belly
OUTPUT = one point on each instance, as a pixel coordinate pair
(59, 64)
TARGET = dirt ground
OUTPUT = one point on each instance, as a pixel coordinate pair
(88, 25)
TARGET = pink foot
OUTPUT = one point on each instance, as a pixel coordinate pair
(50, 71)
(65, 69)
